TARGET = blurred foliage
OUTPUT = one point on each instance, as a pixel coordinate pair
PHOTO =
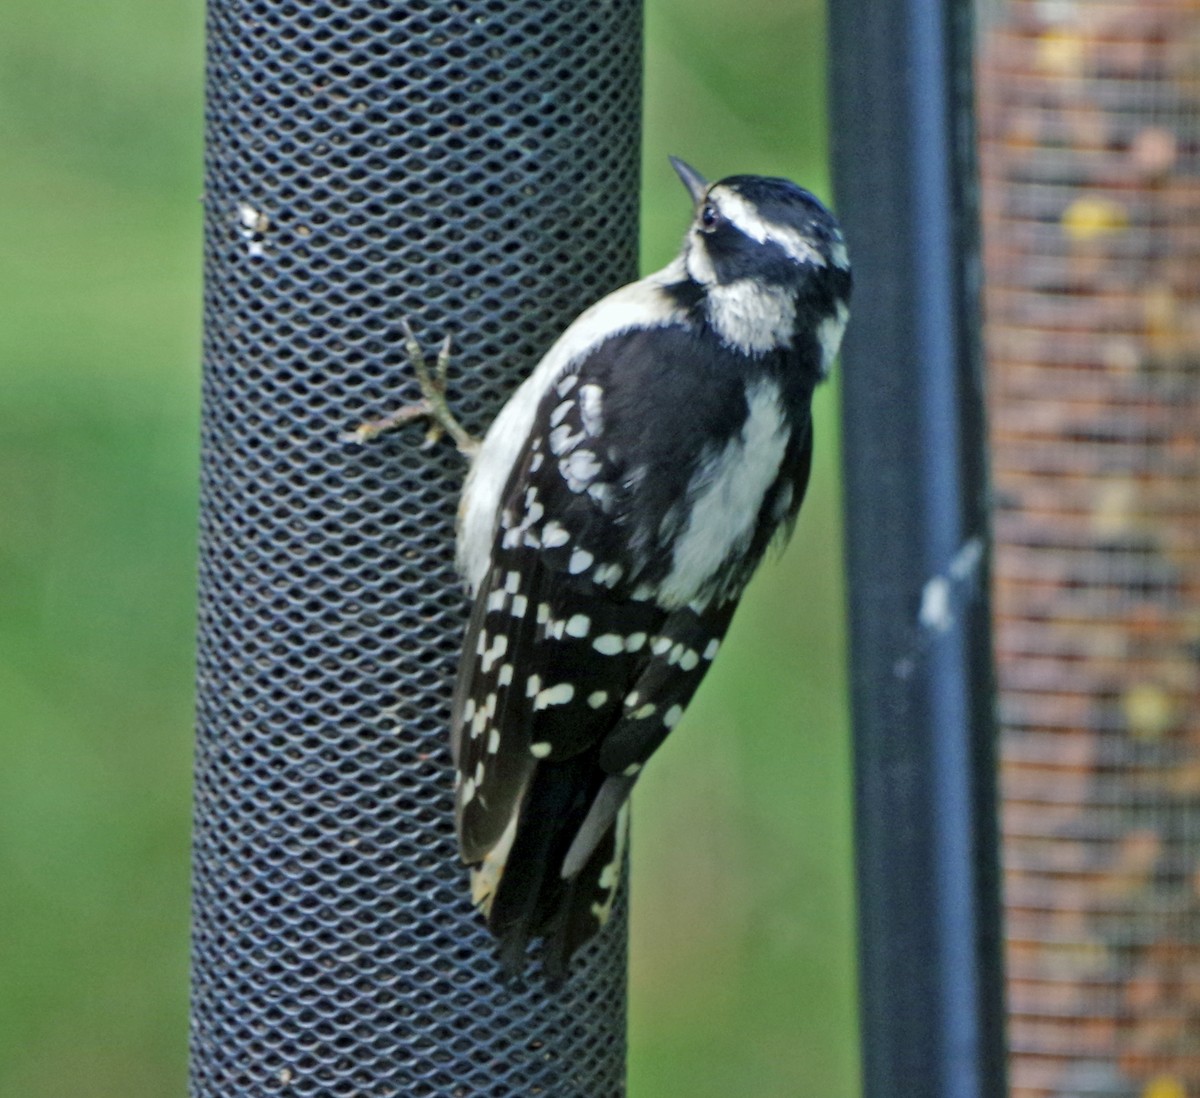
(743, 921)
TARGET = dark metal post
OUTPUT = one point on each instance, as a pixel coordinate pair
(917, 552)
(473, 167)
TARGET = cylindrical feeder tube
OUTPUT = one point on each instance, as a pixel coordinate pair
(917, 553)
(473, 168)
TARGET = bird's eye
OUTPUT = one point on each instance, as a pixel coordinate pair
(709, 216)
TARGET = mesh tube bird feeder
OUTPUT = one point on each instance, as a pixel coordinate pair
(1090, 126)
(471, 167)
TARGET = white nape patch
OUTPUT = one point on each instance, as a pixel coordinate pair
(635, 642)
(554, 695)
(504, 676)
(751, 316)
(829, 336)
(539, 750)
(485, 879)
(597, 699)
(672, 715)
(591, 415)
(578, 625)
(711, 649)
(748, 220)
(727, 492)
(642, 304)
(608, 644)
(581, 560)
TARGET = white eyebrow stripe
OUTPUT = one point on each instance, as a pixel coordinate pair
(746, 218)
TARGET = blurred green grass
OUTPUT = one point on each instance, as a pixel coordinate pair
(743, 917)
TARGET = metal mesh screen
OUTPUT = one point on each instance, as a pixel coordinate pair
(471, 165)
(1091, 162)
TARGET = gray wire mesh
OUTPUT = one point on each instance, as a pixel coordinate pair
(1091, 167)
(473, 166)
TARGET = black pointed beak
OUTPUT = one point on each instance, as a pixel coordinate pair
(696, 184)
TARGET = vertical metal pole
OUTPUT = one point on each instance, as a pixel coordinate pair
(917, 552)
(473, 167)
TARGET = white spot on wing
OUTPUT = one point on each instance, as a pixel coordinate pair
(579, 469)
(581, 560)
(642, 304)
(554, 695)
(498, 648)
(539, 750)
(554, 534)
(608, 644)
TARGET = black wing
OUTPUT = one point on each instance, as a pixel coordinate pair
(572, 672)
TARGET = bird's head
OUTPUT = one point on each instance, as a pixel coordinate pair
(768, 255)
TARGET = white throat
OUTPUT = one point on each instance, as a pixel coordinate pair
(751, 317)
